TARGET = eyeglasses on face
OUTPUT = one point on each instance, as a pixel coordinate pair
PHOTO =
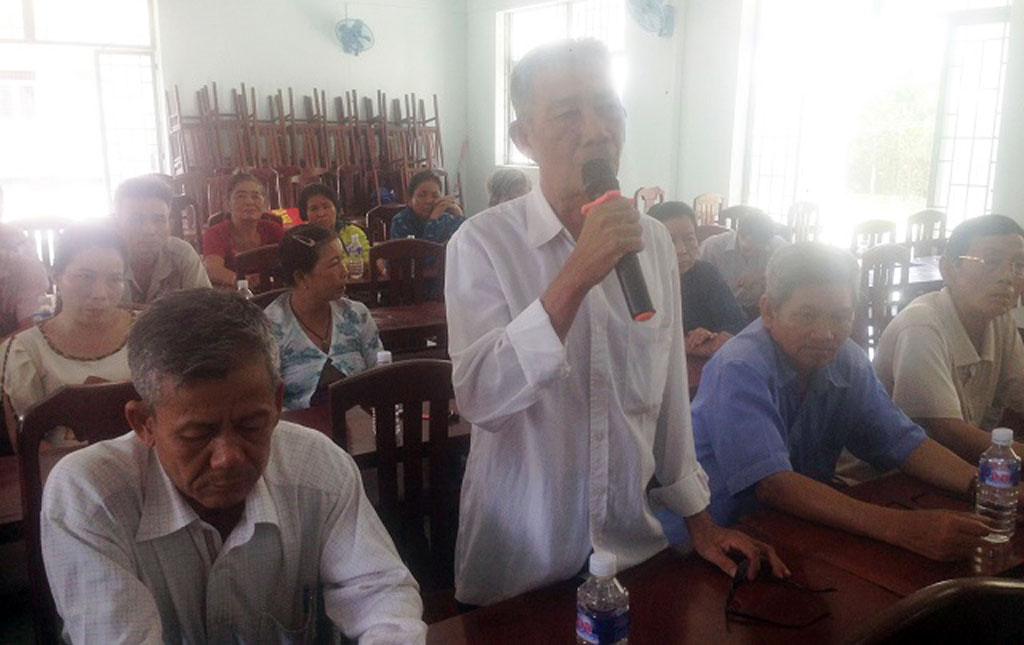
(991, 265)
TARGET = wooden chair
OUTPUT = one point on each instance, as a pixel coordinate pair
(704, 231)
(953, 611)
(649, 196)
(415, 271)
(378, 221)
(264, 298)
(926, 233)
(885, 270)
(418, 481)
(706, 207)
(264, 261)
(93, 413)
(872, 233)
(802, 218)
(42, 236)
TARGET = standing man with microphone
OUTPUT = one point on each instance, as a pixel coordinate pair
(580, 413)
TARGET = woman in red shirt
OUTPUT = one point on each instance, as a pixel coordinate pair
(243, 229)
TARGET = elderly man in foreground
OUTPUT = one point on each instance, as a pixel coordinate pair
(213, 521)
(779, 401)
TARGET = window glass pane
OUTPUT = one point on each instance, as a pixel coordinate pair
(11, 21)
(53, 124)
(129, 115)
(120, 22)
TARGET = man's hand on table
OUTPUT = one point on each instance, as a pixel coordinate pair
(940, 535)
(714, 544)
(703, 343)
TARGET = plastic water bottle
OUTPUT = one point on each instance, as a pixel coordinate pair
(602, 604)
(44, 310)
(998, 477)
(355, 258)
(244, 290)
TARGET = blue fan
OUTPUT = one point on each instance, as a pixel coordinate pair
(654, 16)
(354, 35)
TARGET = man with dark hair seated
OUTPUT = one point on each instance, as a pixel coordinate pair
(779, 402)
(157, 262)
(711, 315)
(742, 255)
(953, 359)
(214, 522)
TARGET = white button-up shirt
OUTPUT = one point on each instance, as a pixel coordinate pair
(566, 438)
(129, 560)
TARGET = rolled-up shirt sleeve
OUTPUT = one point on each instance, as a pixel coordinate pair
(500, 361)
(684, 488)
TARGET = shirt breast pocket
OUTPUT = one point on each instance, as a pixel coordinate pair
(647, 358)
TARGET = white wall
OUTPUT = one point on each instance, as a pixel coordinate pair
(275, 44)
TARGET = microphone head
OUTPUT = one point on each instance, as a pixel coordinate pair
(598, 178)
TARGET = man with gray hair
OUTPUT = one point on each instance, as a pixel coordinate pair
(581, 420)
(779, 402)
(213, 521)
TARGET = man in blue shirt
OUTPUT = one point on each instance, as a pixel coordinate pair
(779, 401)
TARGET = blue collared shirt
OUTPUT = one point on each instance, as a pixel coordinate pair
(751, 421)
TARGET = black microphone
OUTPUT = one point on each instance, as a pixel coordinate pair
(598, 179)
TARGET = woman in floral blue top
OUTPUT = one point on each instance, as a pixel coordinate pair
(322, 336)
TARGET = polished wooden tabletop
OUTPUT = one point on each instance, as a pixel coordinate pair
(678, 598)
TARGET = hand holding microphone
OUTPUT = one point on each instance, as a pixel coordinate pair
(615, 224)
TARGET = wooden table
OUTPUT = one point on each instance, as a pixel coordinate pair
(674, 598)
(678, 598)
(887, 566)
(411, 325)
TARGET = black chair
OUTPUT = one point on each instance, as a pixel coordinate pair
(93, 413)
(965, 610)
(264, 261)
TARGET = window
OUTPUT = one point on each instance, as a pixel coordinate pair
(875, 110)
(524, 29)
(78, 104)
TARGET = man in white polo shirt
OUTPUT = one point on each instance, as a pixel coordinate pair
(953, 359)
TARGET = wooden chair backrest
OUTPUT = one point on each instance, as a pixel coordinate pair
(264, 298)
(405, 505)
(378, 221)
(926, 232)
(802, 218)
(885, 271)
(415, 271)
(263, 260)
(93, 413)
(871, 233)
(645, 198)
(731, 215)
(706, 207)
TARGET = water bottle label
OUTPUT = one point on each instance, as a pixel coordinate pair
(1000, 475)
(602, 627)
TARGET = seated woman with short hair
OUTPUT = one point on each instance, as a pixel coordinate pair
(85, 341)
(318, 204)
(431, 215)
(711, 314)
(321, 335)
(244, 229)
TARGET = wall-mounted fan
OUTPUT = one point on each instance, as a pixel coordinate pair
(654, 16)
(354, 35)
